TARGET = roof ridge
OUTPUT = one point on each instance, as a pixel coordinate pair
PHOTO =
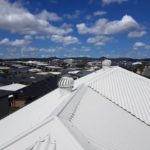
(68, 107)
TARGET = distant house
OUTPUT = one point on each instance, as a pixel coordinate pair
(146, 72)
(68, 61)
(14, 88)
(4, 103)
(38, 89)
(53, 68)
(4, 69)
(17, 68)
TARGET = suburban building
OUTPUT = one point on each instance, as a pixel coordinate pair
(4, 102)
(146, 71)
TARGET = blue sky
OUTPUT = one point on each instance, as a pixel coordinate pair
(71, 28)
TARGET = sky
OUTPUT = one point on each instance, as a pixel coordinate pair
(74, 28)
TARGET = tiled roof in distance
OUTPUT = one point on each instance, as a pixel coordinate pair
(127, 90)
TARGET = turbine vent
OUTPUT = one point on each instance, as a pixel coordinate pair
(66, 84)
(106, 63)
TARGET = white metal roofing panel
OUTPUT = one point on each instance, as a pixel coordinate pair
(127, 90)
(109, 127)
(29, 116)
(106, 125)
(55, 73)
(12, 87)
(74, 72)
(90, 77)
(51, 134)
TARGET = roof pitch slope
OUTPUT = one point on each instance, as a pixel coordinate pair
(30, 138)
(82, 106)
(92, 76)
(108, 126)
(30, 115)
(51, 134)
(127, 90)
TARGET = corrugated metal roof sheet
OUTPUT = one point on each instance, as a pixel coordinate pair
(127, 90)
(88, 118)
(109, 127)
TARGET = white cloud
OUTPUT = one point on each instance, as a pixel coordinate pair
(15, 43)
(66, 40)
(99, 13)
(75, 15)
(50, 16)
(29, 49)
(136, 34)
(18, 42)
(15, 18)
(41, 37)
(4, 41)
(67, 27)
(139, 45)
(51, 49)
(104, 26)
(107, 2)
(85, 48)
(88, 17)
(27, 37)
(99, 40)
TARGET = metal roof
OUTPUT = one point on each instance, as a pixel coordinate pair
(127, 90)
(12, 87)
(107, 110)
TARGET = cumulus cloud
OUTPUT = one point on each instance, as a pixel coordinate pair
(88, 17)
(104, 26)
(136, 34)
(85, 48)
(50, 16)
(66, 40)
(17, 19)
(27, 37)
(138, 45)
(4, 41)
(75, 15)
(18, 42)
(99, 13)
(52, 49)
(99, 40)
(15, 43)
(107, 2)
